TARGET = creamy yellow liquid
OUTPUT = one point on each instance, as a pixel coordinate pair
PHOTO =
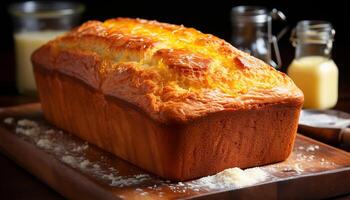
(26, 43)
(317, 77)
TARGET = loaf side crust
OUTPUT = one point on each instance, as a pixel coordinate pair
(207, 145)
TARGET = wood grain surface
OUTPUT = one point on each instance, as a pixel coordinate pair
(314, 170)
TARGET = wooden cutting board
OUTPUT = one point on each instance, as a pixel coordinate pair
(79, 170)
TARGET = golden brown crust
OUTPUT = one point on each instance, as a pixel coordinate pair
(173, 73)
(207, 145)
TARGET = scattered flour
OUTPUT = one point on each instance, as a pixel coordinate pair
(27, 123)
(144, 193)
(77, 162)
(312, 148)
(69, 160)
(96, 166)
(80, 147)
(324, 162)
(27, 127)
(301, 147)
(123, 181)
(72, 153)
(9, 120)
(44, 143)
(32, 131)
(231, 178)
(139, 190)
(50, 131)
(309, 148)
(84, 164)
(296, 168)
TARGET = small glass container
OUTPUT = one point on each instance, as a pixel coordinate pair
(252, 32)
(35, 23)
(313, 69)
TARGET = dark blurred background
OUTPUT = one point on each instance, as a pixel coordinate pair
(207, 16)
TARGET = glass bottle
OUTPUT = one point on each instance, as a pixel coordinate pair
(313, 69)
(252, 32)
(35, 23)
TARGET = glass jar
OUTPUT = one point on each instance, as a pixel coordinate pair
(313, 69)
(252, 32)
(35, 23)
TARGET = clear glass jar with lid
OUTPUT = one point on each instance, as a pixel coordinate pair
(313, 69)
(252, 32)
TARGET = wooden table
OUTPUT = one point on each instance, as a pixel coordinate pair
(16, 183)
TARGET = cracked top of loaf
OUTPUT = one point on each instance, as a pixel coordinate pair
(172, 73)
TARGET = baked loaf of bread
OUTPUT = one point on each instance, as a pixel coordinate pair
(169, 99)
